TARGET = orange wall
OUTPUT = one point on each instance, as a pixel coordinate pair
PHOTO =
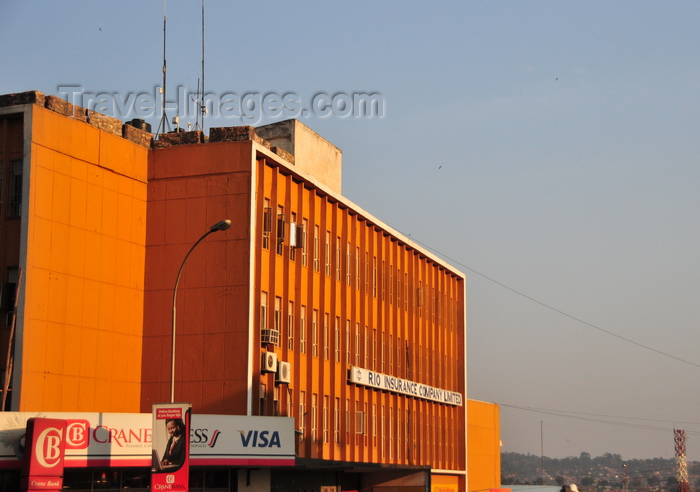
(484, 445)
(191, 188)
(85, 248)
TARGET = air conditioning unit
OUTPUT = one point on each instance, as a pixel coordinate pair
(270, 336)
(284, 372)
(269, 362)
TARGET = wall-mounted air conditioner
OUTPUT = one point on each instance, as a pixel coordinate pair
(269, 362)
(284, 372)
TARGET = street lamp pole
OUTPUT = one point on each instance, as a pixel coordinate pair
(219, 226)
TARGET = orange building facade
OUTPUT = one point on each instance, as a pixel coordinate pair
(74, 211)
(307, 307)
(484, 445)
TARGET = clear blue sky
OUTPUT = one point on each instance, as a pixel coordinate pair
(548, 149)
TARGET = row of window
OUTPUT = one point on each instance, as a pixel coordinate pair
(366, 347)
(387, 425)
(389, 283)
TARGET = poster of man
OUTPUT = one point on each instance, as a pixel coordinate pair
(171, 443)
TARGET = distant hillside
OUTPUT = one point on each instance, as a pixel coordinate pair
(605, 472)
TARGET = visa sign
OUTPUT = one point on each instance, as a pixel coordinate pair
(260, 439)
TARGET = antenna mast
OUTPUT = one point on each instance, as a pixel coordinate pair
(681, 465)
(164, 118)
(203, 105)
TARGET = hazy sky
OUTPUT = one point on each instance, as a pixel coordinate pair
(549, 150)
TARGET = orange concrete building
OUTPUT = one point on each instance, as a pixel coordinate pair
(304, 280)
(74, 225)
(306, 307)
(483, 445)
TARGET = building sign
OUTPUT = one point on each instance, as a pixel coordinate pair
(44, 453)
(170, 469)
(384, 382)
(125, 439)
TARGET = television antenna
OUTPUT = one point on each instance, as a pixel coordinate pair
(164, 118)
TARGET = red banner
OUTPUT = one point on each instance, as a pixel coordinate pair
(171, 446)
(44, 452)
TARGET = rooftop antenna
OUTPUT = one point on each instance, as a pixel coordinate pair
(203, 107)
(202, 110)
(164, 118)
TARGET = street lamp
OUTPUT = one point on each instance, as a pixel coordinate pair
(219, 226)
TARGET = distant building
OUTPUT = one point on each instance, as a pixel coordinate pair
(308, 307)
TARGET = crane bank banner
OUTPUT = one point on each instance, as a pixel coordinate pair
(385, 382)
(126, 439)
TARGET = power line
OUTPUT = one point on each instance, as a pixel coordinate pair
(556, 310)
(605, 419)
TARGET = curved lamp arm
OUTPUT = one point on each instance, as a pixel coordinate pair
(219, 226)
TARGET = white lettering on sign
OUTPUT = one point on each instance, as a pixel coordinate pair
(48, 450)
(377, 380)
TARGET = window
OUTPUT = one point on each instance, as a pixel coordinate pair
(336, 341)
(347, 422)
(348, 263)
(304, 247)
(290, 326)
(263, 398)
(337, 259)
(278, 317)
(276, 401)
(366, 347)
(366, 272)
(374, 350)
(317, 260)
(8, 293)
(357, 344)
(326, 336)
(405, 294)
(383, 429)
(374, 276)
(398, 288)
(391, 284)
(391, 434)
(398, 357)
(302, 331)
(383, 282)
(374, 424)
(314, 417)
(314, 333)
(391, 354)
(336, 422)
(263, 311)
(328, 253)
(281, 228)
(267, 224)
(278, 313)
(14, 205)
(357, 268)
(347, 341)
(293, 237)
(381, 356)
(302, 414)
(326, 411)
